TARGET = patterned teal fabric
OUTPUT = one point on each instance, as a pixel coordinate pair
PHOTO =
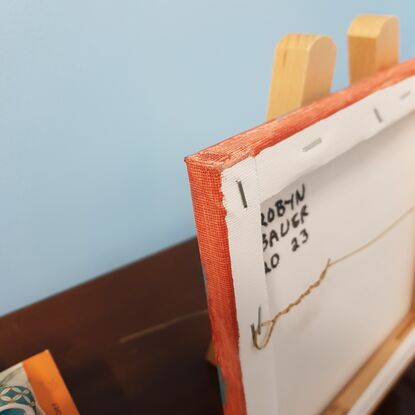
(14, 398)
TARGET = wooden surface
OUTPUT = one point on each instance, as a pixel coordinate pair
(133, 341)
(373, 43)
(93, 331)
(302, 72)
(362, 379)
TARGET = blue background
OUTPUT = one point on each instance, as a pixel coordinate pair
(101, 100)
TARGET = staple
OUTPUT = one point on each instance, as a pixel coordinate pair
(241, 191)
(313, 144)
(253, 331)
(375, 110)
(405, 95)
(259, 319)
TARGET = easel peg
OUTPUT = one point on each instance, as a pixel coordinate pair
(302, 72)
(373, 43)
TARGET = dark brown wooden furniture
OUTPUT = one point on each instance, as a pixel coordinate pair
(133, 341)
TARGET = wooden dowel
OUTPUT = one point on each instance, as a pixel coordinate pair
(373, 43)
(302, 72)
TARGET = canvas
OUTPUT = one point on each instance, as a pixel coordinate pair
(306, 233)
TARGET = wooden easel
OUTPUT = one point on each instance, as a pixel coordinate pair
(302, 73)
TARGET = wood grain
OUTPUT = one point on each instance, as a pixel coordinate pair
(351, 392)
(91, 332)
(302, 72)
(373, 43)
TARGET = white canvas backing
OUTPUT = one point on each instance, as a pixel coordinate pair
(356, 173)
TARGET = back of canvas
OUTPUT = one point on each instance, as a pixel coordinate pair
(355, 213)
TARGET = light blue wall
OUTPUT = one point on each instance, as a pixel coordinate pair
(99, 102)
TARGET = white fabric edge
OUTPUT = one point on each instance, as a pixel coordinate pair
(244, 230)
